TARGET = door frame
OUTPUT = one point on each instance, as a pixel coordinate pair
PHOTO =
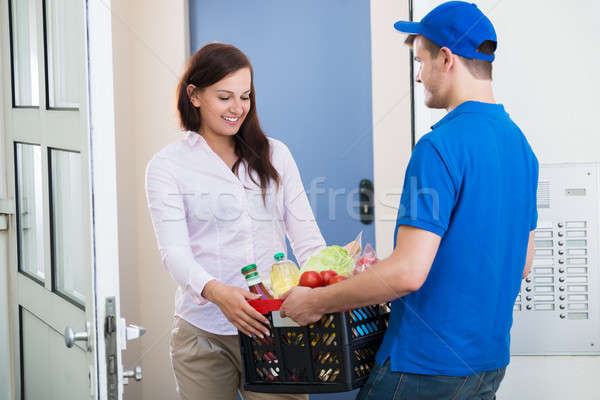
(6, 337)
(104, 184)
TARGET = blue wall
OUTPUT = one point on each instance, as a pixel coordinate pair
(312, 62)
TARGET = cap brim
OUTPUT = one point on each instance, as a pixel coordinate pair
(408, 27)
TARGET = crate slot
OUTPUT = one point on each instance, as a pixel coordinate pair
(367, 328)
(323, 339)
(291, 338)
(296, 374)
(328, 374)
(362, 370)
(326, 357)
(268, 373)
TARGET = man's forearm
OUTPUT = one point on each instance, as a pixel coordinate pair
(383, 282)
(403, 272)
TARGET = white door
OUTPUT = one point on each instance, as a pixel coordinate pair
(58, 227)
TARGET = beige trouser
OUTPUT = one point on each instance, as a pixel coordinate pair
(209, 366)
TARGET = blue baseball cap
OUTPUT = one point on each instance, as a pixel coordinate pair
(457, 25)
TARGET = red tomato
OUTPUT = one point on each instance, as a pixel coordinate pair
(311, 279)
(327, 275)
(337, 279)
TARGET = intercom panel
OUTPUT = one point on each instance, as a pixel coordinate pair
(556, 311)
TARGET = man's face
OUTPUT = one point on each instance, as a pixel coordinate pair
(430, 74)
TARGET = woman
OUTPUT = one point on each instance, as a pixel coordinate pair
(223, 197)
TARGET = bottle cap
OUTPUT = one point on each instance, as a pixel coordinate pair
(279, 256)
(248, 268)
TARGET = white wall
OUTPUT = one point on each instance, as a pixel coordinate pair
(122, 70)
(546, 75)
(150, 43)
(548, 79)
(391, 116)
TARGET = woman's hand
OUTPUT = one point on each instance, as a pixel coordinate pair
(232, 302)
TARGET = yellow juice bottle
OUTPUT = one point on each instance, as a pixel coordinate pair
(284, 275)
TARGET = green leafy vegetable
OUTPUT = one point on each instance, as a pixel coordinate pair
(332, 257)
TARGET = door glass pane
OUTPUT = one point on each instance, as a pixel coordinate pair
(30, 218)
(67, 218)
(24, 25)
(64, 58)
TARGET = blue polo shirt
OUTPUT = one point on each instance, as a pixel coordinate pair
(472, 180)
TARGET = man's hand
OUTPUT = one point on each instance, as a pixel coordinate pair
(299, 304)
(530, 252)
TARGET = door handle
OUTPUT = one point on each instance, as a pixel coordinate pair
(71, 336)
(365, 193)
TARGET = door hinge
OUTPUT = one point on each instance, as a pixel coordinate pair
(7, 206)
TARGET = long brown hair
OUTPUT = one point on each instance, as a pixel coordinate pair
(206, 67)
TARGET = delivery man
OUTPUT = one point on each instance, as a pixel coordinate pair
(464, 235)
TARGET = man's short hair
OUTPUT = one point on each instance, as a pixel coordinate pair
(480, 69)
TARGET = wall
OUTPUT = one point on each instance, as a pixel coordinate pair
(122, 43)
(391, 116)
(150, 43)
(549, 85)
(547, 80)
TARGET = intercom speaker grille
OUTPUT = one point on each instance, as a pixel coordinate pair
(543, 194)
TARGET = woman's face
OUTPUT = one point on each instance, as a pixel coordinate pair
(225, 104)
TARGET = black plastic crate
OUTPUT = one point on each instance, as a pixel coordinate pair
(334, 354)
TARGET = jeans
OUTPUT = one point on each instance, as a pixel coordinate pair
(384, 384)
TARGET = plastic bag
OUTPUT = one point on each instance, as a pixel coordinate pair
(368, 258)
(354, 248)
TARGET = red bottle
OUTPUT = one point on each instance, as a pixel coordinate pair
(255, 285)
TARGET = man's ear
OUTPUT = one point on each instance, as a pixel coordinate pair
(448, 58)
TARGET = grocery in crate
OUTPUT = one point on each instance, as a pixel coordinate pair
(334, 354)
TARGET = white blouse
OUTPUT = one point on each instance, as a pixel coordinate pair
(209, 223)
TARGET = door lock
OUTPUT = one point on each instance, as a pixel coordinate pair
(365, 194)
(136, 374)
(129, 332)
(134, 331)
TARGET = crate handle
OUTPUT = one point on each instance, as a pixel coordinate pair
(280, 322)
(266, 306)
